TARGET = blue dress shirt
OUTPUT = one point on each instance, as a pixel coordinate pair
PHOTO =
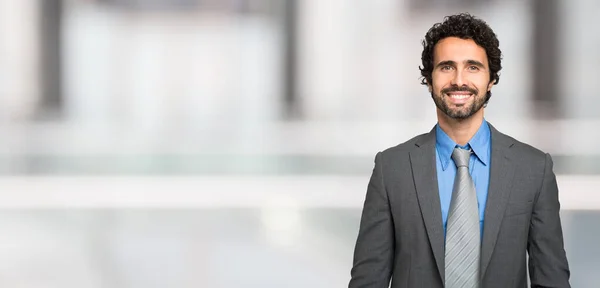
(478, 167)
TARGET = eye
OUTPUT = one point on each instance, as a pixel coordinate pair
(446, 68)
(473, 68)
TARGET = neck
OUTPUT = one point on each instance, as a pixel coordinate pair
(460, 130)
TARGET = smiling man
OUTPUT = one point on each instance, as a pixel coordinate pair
(463, 205)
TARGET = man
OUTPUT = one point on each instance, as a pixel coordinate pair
(462, 205)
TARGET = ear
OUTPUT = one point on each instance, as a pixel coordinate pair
(489, 88)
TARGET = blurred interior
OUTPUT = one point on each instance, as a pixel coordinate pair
(213, 143)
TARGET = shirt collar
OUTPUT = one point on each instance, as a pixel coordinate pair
(480, 143)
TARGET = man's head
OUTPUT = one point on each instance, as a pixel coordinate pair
(461, 59)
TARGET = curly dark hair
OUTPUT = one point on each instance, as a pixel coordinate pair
(464, 26)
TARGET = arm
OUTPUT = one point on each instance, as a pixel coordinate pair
(374, 251)
(548, 265)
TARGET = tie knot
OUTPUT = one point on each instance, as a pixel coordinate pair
(461, 157)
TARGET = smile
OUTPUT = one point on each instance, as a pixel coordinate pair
(460, 96)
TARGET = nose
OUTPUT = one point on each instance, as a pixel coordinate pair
(458, 79)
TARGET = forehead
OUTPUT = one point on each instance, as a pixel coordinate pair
(458, 50)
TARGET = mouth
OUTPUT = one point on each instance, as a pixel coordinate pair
(458, 98)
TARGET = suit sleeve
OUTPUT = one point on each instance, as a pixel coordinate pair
(374, 250)
(548, 265)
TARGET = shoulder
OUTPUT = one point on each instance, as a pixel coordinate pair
(525, 148)
(402, 150)
(524, 153)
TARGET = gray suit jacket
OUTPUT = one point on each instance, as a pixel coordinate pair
(401, 234)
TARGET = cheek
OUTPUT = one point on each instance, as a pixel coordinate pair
(437, 84)
(441, 81)
(486, 86)
(481, 82)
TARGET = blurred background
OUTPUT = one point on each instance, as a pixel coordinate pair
(228, 143)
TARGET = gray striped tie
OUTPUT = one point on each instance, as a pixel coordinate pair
(463, 244)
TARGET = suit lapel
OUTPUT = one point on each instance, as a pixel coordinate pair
(501, 176)
(423, 166)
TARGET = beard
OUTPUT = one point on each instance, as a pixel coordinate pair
(461, 112)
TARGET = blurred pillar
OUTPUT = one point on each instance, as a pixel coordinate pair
(335, 67)
(579, 74)
(19, 58)
(290, 21)
(50, 48)
(546, 58)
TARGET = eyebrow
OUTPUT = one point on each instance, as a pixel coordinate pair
(446, 63)
(475, 63)
(453, 63)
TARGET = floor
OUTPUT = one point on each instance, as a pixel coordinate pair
(232, 247)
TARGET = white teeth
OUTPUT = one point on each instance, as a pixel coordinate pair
(460, 96)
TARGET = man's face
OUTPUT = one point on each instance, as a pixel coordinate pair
(460, 78)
